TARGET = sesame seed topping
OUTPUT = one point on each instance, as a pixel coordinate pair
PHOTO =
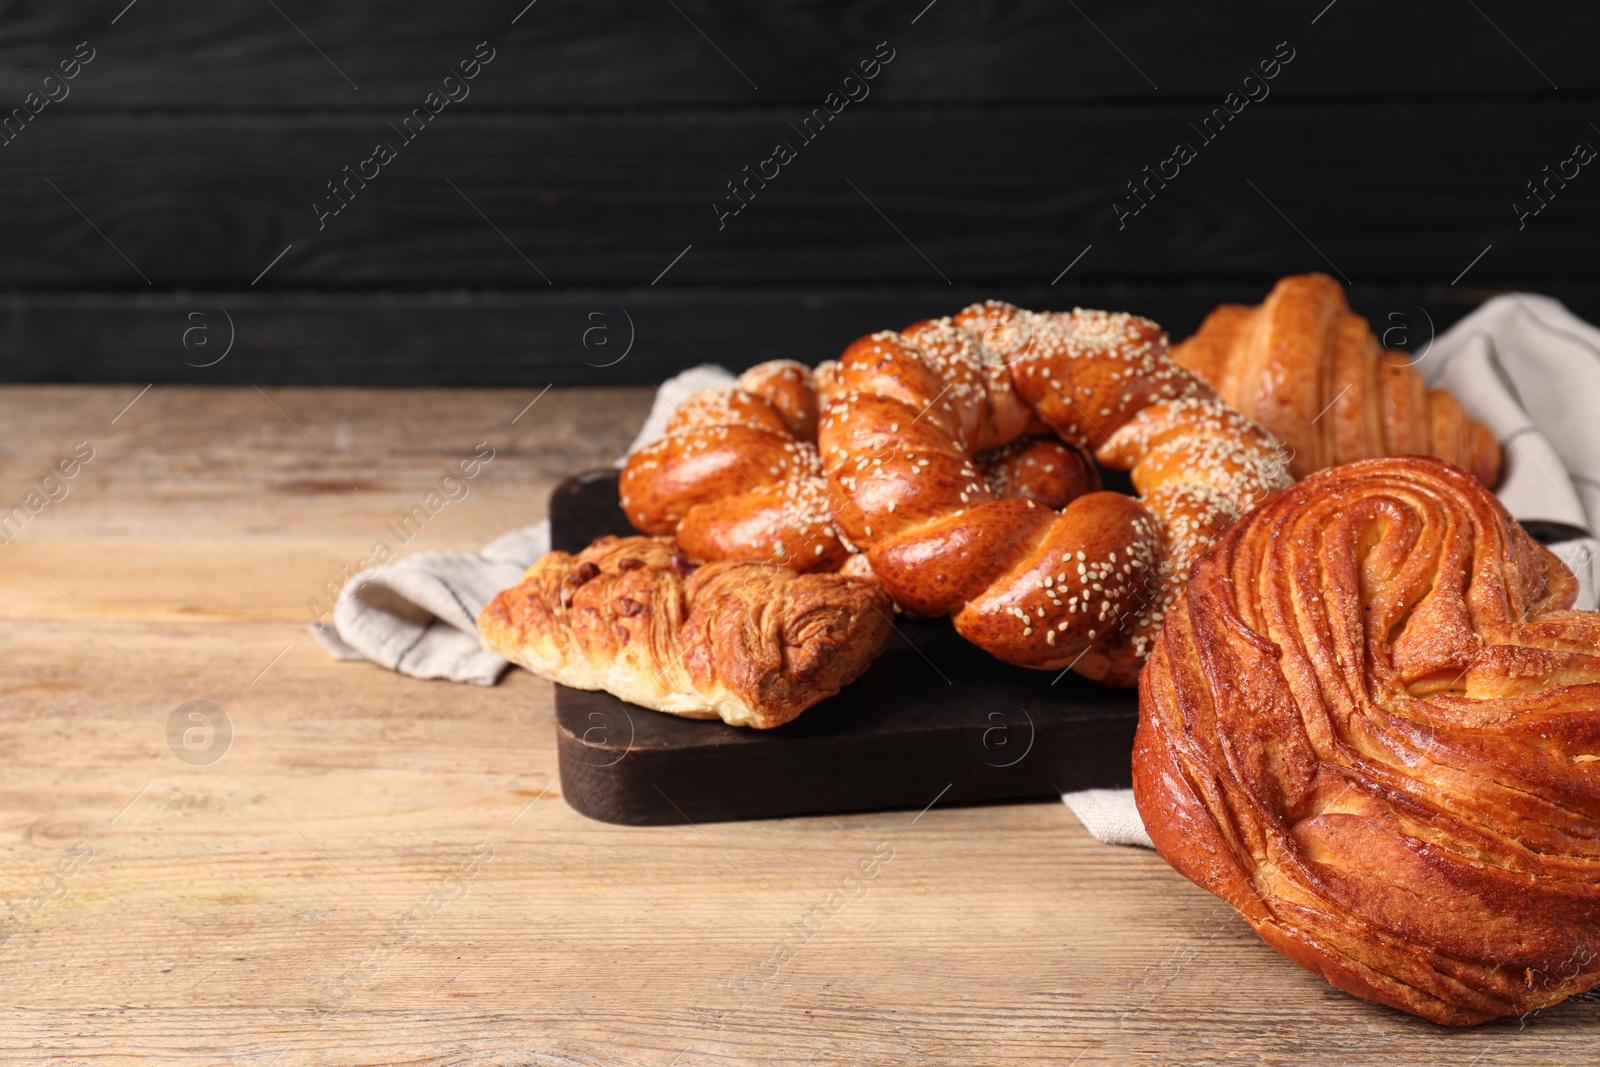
(1203, 463)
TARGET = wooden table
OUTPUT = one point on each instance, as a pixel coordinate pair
(382, 871)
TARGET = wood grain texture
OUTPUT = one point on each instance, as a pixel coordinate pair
(312, 897)
(579, 336)
(998, 196)
(592, 149)
(639, 53)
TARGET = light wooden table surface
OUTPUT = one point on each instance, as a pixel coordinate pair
(382, 871)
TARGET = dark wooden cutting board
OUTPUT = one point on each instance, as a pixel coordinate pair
(934, 718)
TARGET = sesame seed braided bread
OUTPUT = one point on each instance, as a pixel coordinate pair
(737, 473)
(1087, 587)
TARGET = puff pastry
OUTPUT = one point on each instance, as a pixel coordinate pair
(747, 641)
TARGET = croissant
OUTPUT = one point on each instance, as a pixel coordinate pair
(742, 640)
(1307, 368)
(1372, 726)
(1086, 588)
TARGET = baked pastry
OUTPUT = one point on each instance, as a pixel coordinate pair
(737, 474)
(1089, 587)
(1045, 470)
(1372, 726)
(746, 641)
(1309, 369)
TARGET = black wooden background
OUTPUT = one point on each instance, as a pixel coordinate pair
(557, 225)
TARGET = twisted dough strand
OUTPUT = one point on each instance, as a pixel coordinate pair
(737, 474)
(1373, 727)
(1088, 587)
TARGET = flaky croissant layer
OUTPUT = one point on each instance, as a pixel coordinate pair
(743, 640)
(1310, 370)
(1372, 725)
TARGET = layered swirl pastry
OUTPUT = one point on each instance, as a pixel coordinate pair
(1372, 726)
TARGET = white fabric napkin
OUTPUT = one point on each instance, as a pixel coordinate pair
(1530, 369)
(419, 615)
(1110, 816)
(1522, 363)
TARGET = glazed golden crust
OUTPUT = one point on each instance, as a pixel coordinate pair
(1045, 470)
(1310, 370)
(746, 641)
(737, 474)
(1372, 725)
(1087, 587)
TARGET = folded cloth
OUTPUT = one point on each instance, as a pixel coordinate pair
(419, 615)
(1530, 369)
(1109, 816)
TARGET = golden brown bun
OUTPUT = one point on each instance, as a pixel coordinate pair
(1372, 726)
(1309, 369)
(904, 414)
(742, 640)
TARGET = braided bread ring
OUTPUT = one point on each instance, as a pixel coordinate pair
(1088, 587)
(737, 474)
(1372, 727)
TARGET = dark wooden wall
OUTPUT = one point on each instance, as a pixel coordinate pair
(533, 220)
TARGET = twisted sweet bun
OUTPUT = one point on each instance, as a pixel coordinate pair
(1088, 587)
(742, 640)
(1044, 470)
(1373, 727)
(737, 474)
(1310, 370)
